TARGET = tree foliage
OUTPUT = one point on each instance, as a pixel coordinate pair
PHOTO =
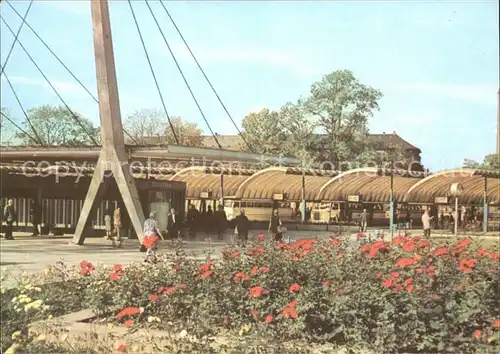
(55, 125)
(150, 126)
(490, 162)
(331, 124)
(7, 129)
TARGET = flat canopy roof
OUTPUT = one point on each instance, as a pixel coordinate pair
(471, 180)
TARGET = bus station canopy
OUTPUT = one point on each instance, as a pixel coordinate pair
(371, 184)
(266, 183)
(471, 180)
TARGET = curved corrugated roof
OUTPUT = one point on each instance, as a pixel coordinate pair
(265, 183)
(439, 184)
(204, 179)
(369, 183)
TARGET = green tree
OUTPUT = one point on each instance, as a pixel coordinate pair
(264, 132)
(151, 127)
(55, 125)
(341, 106)
(490, 162)
(7, 129)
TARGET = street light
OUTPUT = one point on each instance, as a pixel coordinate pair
(456, 190)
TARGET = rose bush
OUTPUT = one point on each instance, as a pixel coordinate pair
(408, 295)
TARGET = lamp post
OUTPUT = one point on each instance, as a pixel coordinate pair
(455, 191)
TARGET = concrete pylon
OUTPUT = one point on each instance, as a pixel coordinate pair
(113, 158)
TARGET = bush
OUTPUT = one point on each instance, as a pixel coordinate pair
(404, 296)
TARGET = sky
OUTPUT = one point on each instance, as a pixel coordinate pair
(436, 62)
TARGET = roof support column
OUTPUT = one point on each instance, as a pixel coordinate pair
(485, 200)
(391, 207)
(303, 197)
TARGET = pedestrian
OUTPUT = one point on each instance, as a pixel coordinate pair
(426, 222)
(117, 223)
(221, 222)
(152, 235)
(36, 218)
(192, 220)
(108, 224)
(10, 216)
(362, 222)
(276, 226)
(173, 225)
(242, 228)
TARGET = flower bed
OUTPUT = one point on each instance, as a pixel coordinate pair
(404, 296)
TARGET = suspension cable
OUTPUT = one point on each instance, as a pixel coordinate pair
(23, 18)
(61, 62)
(17, 126)
(153, 73)
(24, 111)
(52, 86)
(205, 76)
(182, 74)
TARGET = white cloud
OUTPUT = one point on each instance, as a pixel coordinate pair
(60, 86)
(300, 64)
(478, 93)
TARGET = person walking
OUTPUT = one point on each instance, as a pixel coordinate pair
(10, 216)
(108, 225)
(221, 221)
(426, 222)
(173, 225)
(192, 220)
(117, 222)
(276, 226)
(36, 218)
(362, 222)
(242, 228)
(152, 235)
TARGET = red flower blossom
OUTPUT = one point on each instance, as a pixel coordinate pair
(129, 311)
(440, 251)
(398, 240)
(115, 276)
(255, 251)
(261, 237)
(294, 288)
(410, 288)
(424, 244)
(464, 243)
(206, 267)
(387, 283)
(419, 270)
(496, 324)
(257, 291)
(235, 254)
(170, 290)
(405, 262)
(365, 247)
(325, 283)
(466, 265)
(378, 275)
(254, 271)
(154, 298)
(292, 304)
(255, 313)
(430, 271)
(289, 312)
(394, 274)
(417, 238)
(409, 246)
(86, 268)
(241, 276)
(128, 323)
(150, 241)
(160, 290)
(268, 319)
(264, 269)
(122, 348)
(477, 334)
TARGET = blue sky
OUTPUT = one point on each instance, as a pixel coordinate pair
(435, 62)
